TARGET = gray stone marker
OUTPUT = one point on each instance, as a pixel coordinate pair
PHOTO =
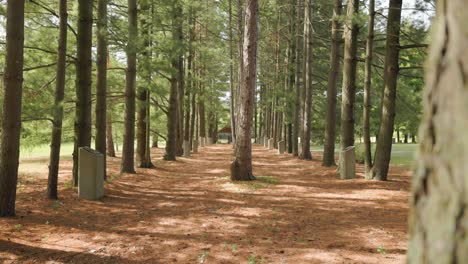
(186, 147)
(270, 143)
(265, 142)
(210, 141)
(260, 141)
(348, 163)
(195, 146)
(281, 147)
(202, 142)
(90, 174)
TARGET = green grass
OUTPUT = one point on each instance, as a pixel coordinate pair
(269, 180)
(43, 151)
(402, 154)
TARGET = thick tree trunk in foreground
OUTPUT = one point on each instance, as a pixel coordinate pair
(307, 120)
(384, 143)
(101, 79)
(330, 129)
(128, 149)
(56, 140)
(11, 114)
(438, 222)
(367, 88)
(83, 81)
(297, 99)
(349, 75)
(241, 168)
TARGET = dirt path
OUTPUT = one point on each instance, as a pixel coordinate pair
(189, 212)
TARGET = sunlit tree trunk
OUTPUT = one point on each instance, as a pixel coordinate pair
(241, 168)
(384, 142)
(438, 222)
(83, 81)
(330, 129)
(56, 140)
(128, 151)
(11, 114)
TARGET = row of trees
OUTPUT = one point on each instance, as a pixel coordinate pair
(293, 70)
(164, 52)
(176, 72)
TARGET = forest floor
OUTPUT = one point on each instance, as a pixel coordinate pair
(188, 211)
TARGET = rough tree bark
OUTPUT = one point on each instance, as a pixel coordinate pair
(11, 114)
(56, 140)
(367, 88)
(143, 120)
(297, 100)
(101, 81)
(231, 76)
(307, 120)
(384, 142)
(438, 222)
(241, 168)
(351, 30)
(330, 129)
(83, 81)
(172, 116)
(128, 149)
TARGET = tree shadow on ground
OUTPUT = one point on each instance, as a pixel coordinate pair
(181, 210)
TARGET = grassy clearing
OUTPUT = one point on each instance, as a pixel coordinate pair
(402, 154)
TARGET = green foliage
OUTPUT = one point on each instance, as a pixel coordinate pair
(255, 259)
(269, 180)
(381, 250)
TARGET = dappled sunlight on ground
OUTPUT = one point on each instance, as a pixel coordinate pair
(188, 211)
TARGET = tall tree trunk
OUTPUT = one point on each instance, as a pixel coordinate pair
(143, 120)
(291, 74)
(297, 101)
(180, 93)
(349, 75)
(83, 81)
(56, 140)
(171, 145)
(110, 136)
(241, 168)
(101, 81)
(128, 149)
(307, 121)
(240, 43)
(384, 142)
(193, 115)
(201, 113)
(11, 114)
(172, 115)
(330, 129)
(439, 213)
(187, 127)
(231, 76)
(367, 88)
